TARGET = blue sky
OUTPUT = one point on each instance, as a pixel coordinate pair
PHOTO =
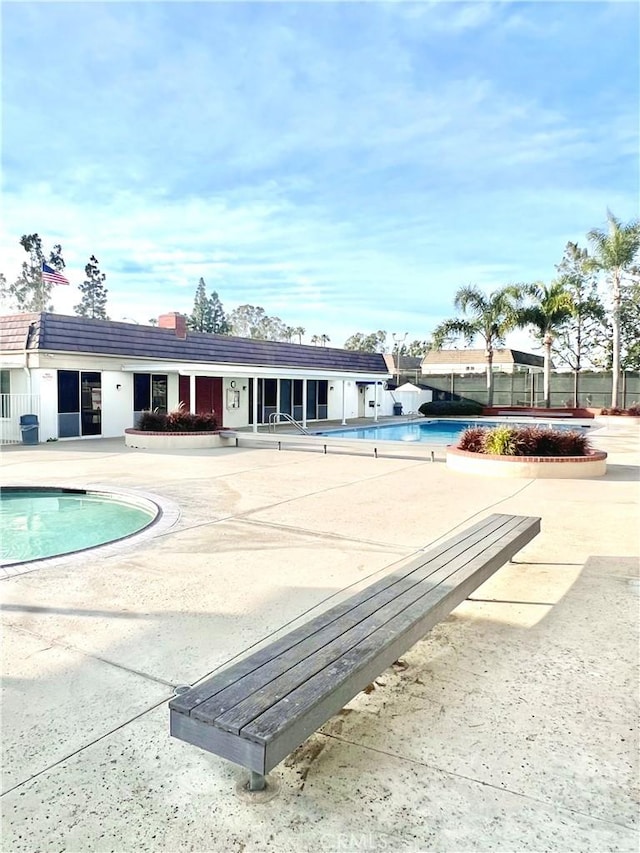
(347, 166)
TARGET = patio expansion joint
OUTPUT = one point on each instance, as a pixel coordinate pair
(85, 746)
(482, 782)
(92, 656)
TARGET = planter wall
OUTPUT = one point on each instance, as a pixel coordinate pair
(528, 467)
(618, 420)
(536, 412)
(144, 440)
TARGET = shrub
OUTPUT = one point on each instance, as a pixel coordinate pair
(634, 410)
(472, 439)
(524, 441)
(500, 441)
(177, 421)
(180, 421)
(451, 407)
(151, 422)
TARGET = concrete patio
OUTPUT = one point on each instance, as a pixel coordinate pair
(511, 727)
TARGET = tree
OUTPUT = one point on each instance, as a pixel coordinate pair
(577, 341)
(629, 325)
(324, 339)
(252, 321)
(220, 324)
(315, 340)
(415, 349)
(208, 314)
(200, 319)
(299, 331)
(549, 311)
(94, 293)
(490, 317)
(374, 342)
(614, 253)
(29, 292)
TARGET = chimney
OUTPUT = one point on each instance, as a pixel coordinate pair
(175, 321)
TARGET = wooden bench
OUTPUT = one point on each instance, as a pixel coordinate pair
(258, 710)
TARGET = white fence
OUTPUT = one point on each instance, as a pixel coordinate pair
(11, 407)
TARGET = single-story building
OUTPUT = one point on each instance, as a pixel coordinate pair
(86, 377)
(475, 361)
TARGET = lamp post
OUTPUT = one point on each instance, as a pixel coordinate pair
(398, 339)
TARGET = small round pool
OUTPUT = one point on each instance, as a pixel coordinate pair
(47, 522)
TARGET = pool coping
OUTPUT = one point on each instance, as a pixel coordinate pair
(167, 517)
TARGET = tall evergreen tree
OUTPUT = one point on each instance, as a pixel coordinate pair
(94, 293)
(29, 292)
(200, 319)
(220, 324)
(208, 314)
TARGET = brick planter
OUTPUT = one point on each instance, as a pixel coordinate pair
(594, 464)
(144, 440)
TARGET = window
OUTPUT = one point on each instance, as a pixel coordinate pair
(149, 392)
(68, 391)
(79, 403)
(5, 390)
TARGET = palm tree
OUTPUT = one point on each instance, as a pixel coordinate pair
(550, 309)
(490, 317)
(615, 251)
(299, 331)
(324, 340)
(315, 340)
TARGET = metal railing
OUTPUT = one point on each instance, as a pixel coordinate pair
(11, 407)
(277, 417)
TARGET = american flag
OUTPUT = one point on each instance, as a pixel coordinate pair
(51, 276)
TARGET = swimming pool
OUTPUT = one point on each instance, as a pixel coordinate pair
(46, 522)
(432, 431)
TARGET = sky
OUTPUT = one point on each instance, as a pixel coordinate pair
(346, 166)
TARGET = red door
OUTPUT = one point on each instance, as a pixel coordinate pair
(208, 395)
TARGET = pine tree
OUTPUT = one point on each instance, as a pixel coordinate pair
(220, 324)
(29, 292)
(208, 314)
(200, 319)
(94, 293)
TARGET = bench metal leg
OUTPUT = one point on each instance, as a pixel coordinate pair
(257, 782)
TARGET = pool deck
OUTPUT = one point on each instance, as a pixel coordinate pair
(512, 727)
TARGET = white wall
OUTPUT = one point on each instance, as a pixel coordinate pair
(410, 401)
(232, 418)
(334, 399)
(117, 402)
(45, 383)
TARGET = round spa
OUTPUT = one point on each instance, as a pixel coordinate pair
(39, 522)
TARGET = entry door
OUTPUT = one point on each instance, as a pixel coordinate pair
(91, 403)
(208, 395)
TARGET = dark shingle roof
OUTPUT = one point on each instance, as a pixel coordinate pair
(59, 333)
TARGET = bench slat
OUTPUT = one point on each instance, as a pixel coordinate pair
(298, 715)
(188, 701)
(236, 706)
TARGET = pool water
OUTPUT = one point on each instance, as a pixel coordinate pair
(38, 523)
(431, 431)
